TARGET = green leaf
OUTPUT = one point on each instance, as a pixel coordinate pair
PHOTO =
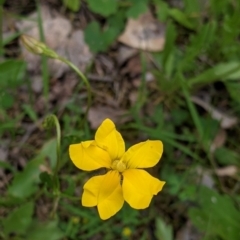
(7, 165)
(163, 231)
(216, 215)
(24, 183)
(226, 156)
(99, 40)
(71, 186)
(175, 181)
(221, 72)
(136, 9)
(210, 127)
(192, 7)
(169, 48)
(228, 71)
(30, 112)
(94, 38)
(6, 100)
(233, 89)
(115, 25)
(49, 150)
(47, 179)
(49, 230)
(19, 219)
(181, 18)
(161, 10)
(73, 5)
(103, 7)
(11, 73)
(179, 116)
(198, 45)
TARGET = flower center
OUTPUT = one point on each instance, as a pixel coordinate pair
(119, 165)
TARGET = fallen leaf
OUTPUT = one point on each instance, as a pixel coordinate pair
(219, 140)
(227, 171)
(37, 83)
(226, 121)
(133, 67)
(206, 177)
(97, 114)
(78, 51)
(125, 53)
(145, 33)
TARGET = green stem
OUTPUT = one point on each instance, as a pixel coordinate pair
(191, 107)
(58, 149)
(48, 123)
(85, 80)
(55, 206)
(69, 197)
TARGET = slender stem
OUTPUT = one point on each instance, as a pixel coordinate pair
(55, 206)
(58, 148)
(85, 80)
(69, 197)
(48, 123)
(191, 107)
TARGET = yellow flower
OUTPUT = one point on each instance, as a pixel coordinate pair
(126, 232)
(125, 179)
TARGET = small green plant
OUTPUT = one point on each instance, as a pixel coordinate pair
(73, 5)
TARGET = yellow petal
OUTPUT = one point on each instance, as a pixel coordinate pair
(91, 190)
(139, 187)
(144, 154)
(110, 199)
(87, 156)
(108, 138)
(90, 193)
(105, 192)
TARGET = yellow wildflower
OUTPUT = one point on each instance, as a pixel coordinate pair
(124, 180)
(126, 232)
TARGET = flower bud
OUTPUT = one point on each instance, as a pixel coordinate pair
(48, 122)
(36, 47)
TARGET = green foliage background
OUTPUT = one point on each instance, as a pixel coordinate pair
(202, 49)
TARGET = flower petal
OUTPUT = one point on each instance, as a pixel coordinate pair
(91, 190)
(139, 187)
(87, 156)
(144, 154)
(105, 192)
(109, 139)
(110, 199)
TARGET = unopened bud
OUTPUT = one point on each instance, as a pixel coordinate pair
(37, 47)
(48, 122)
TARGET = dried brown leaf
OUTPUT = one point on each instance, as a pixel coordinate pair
(227, 171)
(219, 140)
(144, 33)
(97, 114)
(226, 121)
(78, 51)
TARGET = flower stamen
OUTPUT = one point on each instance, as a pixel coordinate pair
(119, 165)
